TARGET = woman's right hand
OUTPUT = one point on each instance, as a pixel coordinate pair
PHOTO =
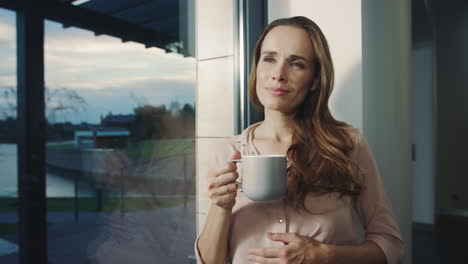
(222, 188)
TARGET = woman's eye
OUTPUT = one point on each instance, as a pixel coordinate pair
(298, 65)
(268, 59)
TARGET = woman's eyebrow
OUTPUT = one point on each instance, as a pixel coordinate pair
(297, 57)
(291, 57)
(269, 52)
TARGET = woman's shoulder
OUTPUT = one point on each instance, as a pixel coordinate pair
(221, 149)
(238, 142)
(354, 135)
(225, 146)
(231, 143)
(357, 140)
(361, 149)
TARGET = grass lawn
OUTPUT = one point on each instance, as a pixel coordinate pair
(143, 149)
(9, 205)
(160, 148)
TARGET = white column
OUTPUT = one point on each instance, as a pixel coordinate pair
(214, 26)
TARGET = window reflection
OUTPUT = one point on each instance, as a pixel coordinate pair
(8, 146)
(120, 150)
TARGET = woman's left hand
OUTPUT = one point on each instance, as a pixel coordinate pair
(297, 249)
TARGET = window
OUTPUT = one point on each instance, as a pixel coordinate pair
(8, 147)
(120, 127)
(120, 149)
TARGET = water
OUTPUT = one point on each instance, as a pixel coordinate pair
(58, 183)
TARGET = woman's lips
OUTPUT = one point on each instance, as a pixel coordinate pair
(277, 91)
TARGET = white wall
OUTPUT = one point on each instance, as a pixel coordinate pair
(370, 43)
(340, 21)
(423, 134)
(386, 61)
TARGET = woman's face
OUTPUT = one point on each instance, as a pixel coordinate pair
(285, 69)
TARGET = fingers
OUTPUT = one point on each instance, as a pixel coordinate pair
(281, 254)
(225, 200)
(298, 259)
(263, 260)
(292, 252)
(273, 252)
(283, 237)
(215, 182)
(227, 168)
(223, 190)
(235, 155)
(221, 187)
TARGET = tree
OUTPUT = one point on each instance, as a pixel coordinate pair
(174, 107)
(188, 112)
(150, 122)
(187, 115)
(59, 101)
(8, 106)
(63, 101)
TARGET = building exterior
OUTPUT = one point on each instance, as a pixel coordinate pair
(101, 138)
(113, 132)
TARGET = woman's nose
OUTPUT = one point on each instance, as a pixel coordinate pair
(279, 73)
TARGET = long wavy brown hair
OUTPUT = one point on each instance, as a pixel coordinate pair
(320, 151)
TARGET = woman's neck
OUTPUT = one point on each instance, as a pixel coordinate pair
(276, 126)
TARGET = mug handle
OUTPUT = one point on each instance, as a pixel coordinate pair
(239, 184)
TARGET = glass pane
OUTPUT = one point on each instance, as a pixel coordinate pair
(120, 150)
(8, 147)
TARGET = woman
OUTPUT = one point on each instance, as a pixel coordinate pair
(335, 210)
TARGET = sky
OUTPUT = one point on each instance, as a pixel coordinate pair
(110, 75)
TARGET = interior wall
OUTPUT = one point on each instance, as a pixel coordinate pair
(345, 40)
(386, 59)
(370, 43)
(451, 20)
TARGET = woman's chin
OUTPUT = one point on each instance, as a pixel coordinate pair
(284, 109)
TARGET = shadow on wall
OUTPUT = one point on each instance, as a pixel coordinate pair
(346, 100)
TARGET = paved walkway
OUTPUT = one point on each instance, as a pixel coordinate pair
(163, 235)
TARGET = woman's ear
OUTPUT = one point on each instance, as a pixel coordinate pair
(314, 86)
(316, 79)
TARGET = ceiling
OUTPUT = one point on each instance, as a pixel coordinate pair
(165, 24)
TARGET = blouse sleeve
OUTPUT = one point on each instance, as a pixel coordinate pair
(373, 207)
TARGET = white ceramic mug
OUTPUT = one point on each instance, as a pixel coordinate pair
(263, 177)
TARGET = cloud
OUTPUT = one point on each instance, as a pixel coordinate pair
(125, 82)
(7, 79)
(72, 41)
(122, 100)
(105, 71)
(8, 62)
(7, 31)
(77, 58)
(7, 35)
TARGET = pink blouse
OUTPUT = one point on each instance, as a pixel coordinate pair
(330, 220)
